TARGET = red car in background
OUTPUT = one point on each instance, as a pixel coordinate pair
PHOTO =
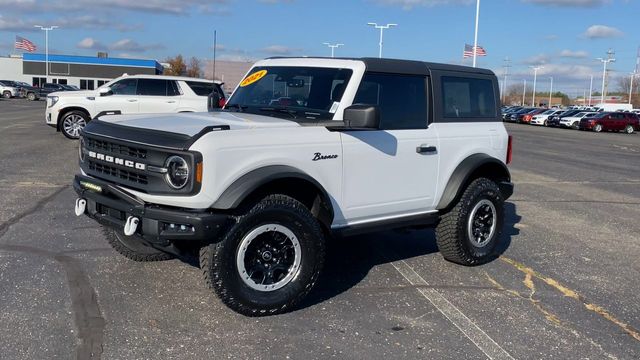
(611, 121)
(526, 118)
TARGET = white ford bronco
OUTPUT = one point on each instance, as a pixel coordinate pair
(305, 149)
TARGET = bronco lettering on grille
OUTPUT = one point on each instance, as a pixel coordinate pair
(117, 161)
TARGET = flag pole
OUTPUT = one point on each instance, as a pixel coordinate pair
(475, 41)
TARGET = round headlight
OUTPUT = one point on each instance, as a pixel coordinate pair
(81, 149)
(177, 172)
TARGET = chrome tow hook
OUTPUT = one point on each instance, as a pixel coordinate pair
(81, 206)
(131, 225)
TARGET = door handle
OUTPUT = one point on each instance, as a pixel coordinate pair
(426, 149)
(132, 100)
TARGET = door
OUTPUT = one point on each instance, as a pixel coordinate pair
(122, 98)
(157, 96)
(393, 171)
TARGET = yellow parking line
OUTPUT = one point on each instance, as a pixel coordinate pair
(529, 273)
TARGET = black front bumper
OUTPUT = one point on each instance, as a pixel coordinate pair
(111, 207)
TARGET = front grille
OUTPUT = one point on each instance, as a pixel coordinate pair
(119, 173)
(115, 149)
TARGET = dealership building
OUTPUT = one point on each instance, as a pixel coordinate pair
(85, 72)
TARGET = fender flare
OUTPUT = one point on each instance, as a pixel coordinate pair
(462, 175)
(242, 187)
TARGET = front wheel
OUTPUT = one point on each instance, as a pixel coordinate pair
(628, 129)
(72, 124)
(6, 95)
(575, 125)
(132, 248)
(469, 233)
(597, 128)
(31, 96)
(268, 260)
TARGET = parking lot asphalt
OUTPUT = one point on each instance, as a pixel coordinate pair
(566, 285)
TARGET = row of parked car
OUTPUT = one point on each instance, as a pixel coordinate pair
(578, 119)
(18, 89)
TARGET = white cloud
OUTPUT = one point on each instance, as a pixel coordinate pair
(602, 31)
(410, 4)
(579, 54)
(129, 45)
(90, 43)
(568, 3)
(279, 50)
(536, 59)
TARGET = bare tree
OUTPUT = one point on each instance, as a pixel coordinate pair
(177, 66)
(195, 68)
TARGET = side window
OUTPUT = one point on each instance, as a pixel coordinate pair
(468, 97)
(124, 87)
(172, 88)
(152, 87)
(402, 99)
(201, 88)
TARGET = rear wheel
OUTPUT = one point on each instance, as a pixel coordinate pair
(628, 129)
(597, 128)
(469, 233)
(72, 123)
(268, 260)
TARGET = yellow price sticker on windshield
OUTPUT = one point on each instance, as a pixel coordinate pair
(253, 78)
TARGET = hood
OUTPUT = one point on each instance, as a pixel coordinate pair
(191, 124)
(77, 93)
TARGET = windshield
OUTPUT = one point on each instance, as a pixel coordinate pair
(582, 114)
(291, 92)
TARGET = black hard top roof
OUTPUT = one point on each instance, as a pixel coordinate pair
(398, 66)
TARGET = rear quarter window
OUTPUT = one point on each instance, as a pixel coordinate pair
(201, 88)
(464, 97)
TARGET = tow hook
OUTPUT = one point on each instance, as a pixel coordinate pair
(131, 225)
(81, 206)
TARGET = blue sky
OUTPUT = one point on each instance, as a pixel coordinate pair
(565, 36)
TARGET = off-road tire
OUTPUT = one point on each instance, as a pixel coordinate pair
(128, 247)
(218, 260)
(451, 232)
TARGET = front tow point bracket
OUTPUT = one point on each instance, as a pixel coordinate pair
(81, 206)
(131, 225)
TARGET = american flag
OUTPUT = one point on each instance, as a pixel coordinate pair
(24, 44)
(468, 51)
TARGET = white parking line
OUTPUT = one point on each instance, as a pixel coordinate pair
(480, 338)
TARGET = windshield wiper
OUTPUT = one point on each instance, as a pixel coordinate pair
(289, 112)
(240, 108)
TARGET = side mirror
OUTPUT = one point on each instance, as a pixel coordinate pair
(105, 91)
(362, 117)
(214, 101)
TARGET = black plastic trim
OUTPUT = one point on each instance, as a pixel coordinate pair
(460, 176)
(246, 184)
(207, 224)
(108, 112)
(417, 221)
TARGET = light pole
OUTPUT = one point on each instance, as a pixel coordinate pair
(46, 49)
(633, 74)
(524, 90)
(381, 27)
(550, 91)
(535, 77)
(604, 73)
(475, 37)
(333, 47)
(590, 89)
